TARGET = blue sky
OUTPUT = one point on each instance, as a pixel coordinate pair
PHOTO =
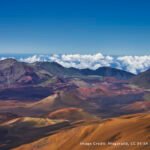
(116, 27)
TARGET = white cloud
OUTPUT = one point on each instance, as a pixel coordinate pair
(83, 61)
(35, 58)
(134, 64)
(3, 58)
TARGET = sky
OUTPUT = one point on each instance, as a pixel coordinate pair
(112, 27)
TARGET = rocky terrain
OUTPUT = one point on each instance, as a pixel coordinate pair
(43, 102)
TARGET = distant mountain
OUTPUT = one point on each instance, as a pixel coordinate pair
(142, 80)
(13, 72)
(109, 72)
(58, 70)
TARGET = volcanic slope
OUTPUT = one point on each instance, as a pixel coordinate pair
(142, 79)
(58, 101)
(22, 130)
(131, 128)
(72, 114)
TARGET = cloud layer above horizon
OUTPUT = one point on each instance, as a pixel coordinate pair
(134, 64)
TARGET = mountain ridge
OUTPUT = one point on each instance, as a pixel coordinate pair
(16, 72)
(142, 79)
